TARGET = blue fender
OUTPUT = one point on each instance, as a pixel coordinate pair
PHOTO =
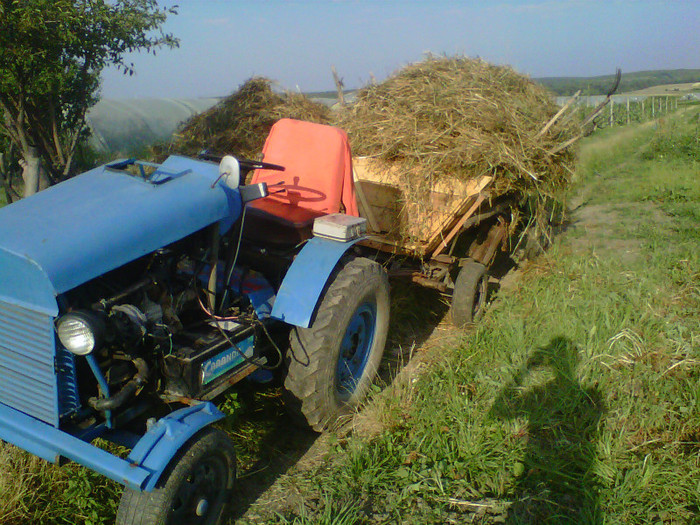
(157, 447)
(303, 284)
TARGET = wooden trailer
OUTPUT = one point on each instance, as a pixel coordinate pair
(446, 240)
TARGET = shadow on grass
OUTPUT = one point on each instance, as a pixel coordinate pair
(557, 482)
(268, 442)
(415, 313)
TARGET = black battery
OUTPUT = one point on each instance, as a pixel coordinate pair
(192, 370)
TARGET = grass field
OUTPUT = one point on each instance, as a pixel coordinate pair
(577, 399)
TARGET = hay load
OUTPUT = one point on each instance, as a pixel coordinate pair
(445, 121)
(421, 140)
(240, 123)
(459, 117)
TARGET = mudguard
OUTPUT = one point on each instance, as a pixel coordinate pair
(305, 280)
(157, 447)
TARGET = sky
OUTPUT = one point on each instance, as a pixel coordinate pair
(295, 42)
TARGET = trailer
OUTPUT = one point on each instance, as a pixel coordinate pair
(446, 240)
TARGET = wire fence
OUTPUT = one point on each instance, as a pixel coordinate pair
(622, 110)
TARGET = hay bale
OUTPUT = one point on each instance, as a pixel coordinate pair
(240, 123)
(457, 118)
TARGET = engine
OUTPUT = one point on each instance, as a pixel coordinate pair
(178, 324)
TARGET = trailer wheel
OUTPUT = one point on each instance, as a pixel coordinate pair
(331, 364)
(469, 294)
(195, 488)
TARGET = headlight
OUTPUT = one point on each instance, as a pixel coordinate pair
(80, 332)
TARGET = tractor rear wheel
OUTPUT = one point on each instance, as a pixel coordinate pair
(331, 364)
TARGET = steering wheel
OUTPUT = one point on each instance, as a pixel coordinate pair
(296, 193)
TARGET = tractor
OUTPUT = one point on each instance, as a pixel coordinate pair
(134, 294)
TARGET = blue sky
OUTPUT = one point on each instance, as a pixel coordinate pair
(225, 42)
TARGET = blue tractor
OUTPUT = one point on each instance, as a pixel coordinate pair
(133, 295)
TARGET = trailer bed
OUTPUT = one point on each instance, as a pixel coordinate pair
(421, 228)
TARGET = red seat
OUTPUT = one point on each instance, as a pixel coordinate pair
(318, 174)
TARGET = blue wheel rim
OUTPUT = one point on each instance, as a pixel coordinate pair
(355, 348)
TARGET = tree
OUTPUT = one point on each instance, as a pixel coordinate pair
(51, 55)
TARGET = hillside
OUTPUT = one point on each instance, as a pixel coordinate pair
(630, 81)
(564, 86)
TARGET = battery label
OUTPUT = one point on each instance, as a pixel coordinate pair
(226, 360)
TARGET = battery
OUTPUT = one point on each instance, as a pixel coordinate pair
(194, 370)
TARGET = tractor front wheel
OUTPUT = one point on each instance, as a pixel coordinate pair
(195, 489)
(331, 364)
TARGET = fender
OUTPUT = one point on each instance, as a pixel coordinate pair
(157, 447)
(305, 280)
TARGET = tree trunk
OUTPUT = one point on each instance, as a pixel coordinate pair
(33, 174)
(4, 179)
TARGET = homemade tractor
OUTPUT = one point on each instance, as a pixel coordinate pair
(134, 294)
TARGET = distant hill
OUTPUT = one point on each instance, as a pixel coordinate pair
(566, 86)
(630, 81)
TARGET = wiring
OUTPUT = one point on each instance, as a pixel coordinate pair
(247, 359)
(217, 319)
(229, 275)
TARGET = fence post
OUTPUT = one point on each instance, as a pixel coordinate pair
(612, 103)
(642, 117)
(628, 110)
(653, 109)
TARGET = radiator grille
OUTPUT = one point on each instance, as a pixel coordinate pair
(27, 376)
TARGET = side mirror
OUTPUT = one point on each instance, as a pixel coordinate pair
(230, 172)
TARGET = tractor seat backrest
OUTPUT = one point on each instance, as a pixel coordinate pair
(317, 178)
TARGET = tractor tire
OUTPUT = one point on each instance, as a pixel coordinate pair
(469, 294)
(196, 488)
(331, 364)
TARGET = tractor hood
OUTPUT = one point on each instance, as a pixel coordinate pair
(75, 231)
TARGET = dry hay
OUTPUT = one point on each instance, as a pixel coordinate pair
(240, 123)
(438, 123)
(455, 118)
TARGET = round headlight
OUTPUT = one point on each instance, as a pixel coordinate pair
(79, 332)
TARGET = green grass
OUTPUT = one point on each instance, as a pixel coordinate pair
(577, 399)
(33, 491)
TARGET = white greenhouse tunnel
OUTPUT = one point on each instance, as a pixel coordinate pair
(125, 125)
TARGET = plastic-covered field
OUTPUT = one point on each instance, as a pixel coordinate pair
(125, 125)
